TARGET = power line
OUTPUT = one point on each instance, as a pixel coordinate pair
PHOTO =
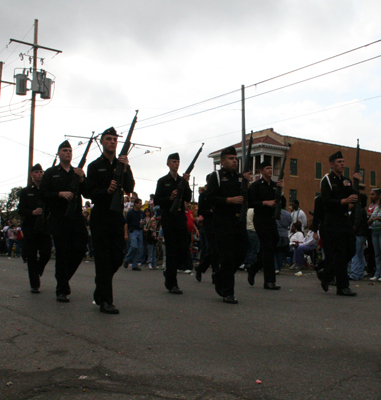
(274, 122)
(22, 101)
(260, 94)
(22, 144)
(256, 84)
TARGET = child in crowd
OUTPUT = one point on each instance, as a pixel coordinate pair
(152, 239)
(296, 236)
(308, 244)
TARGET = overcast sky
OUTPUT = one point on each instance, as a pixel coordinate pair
(160, 55)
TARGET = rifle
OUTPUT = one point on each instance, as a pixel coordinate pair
(356, 187)
(117, 196)
(74, 187)
(278, 193)
(55, 160)
(176, 205)
(244, 189)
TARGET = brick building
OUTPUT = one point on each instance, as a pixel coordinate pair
(307, 162)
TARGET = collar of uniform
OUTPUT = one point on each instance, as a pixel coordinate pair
(59, 167)
(226, 172)
(169, 176)
(104, 158)
(263, 180)
(335, 176)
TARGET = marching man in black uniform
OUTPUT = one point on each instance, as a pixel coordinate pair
(174, 224)
(69, 233)
(262, 195)
(107, 226)
(37, 240)
(340, 242)
(224, 195)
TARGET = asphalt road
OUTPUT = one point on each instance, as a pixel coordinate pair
(298, 343)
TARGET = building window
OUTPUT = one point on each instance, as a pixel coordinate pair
(318, 170)
(257, 162)
(293, 166)
(373, 178)
(347, 172)
(362, 173)
(293, 195)
(277, 166)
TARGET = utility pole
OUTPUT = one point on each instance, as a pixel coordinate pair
(193, 187)
(35, 46)
(1, 77)
(243, 128)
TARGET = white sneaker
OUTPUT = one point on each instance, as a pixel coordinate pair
(373, 279)
(150, 266)
(294, 266)
(187, 271)
(379, 279)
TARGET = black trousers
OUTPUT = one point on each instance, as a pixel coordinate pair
(268, 238)
(176, 238)
(340, 246)
(70, 240)
(37, 250)
(108, 241)
(210, 255)
(231, 245)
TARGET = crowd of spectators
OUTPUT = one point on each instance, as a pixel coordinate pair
(298, 248)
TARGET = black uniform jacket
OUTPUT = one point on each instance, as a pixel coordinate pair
(30, 199)
(204, 209)
(56, 180)
(165, 186)
(99, 175)
(333, 190)
(260, 191)
(228, 185)
(318, 217)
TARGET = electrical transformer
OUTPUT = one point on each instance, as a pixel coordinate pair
(21, 80)
(46, 94)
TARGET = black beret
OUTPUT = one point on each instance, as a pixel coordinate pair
(173, 156)
(36, 167)
(335, 156)
(265, 164)
(64, 145)
(110, 131)
(231, 151)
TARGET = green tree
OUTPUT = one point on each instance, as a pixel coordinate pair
(8, 206)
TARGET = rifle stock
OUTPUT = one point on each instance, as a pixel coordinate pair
(278, 194)
(117, 197)
(244, 188)
(176, 205)
(74, 187)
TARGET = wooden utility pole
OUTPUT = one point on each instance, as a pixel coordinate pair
(194, 185)
(1, 75)
(33, 103)
(243, 128)
(35, 46)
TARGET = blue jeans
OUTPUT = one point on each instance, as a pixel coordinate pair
(136, 247)
(151, 250)
(299, 253)
(376, 239)
(253, 248)
(358, 261)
